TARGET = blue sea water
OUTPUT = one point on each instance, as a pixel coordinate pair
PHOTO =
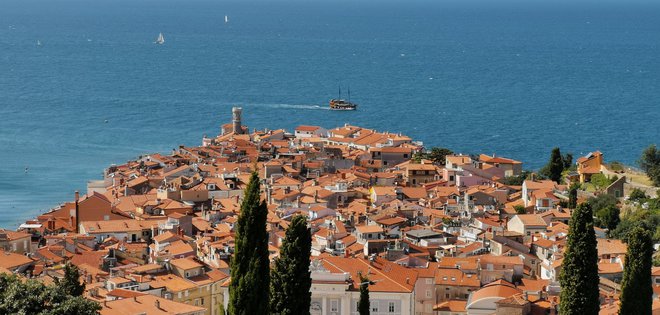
(514, 78)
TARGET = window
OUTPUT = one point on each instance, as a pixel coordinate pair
(428, 293)
(447, 296)
(429, 280)
(374, 306)
(391, 307)
(334, 306)
(201, 301)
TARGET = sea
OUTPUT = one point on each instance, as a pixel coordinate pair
(83, 86)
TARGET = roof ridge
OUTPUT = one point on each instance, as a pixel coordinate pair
(385, 275)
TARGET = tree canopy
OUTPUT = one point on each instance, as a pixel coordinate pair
(579, 273)
(650, 163)
(33, 297)
(363, 303)
(572, 196)
(290, 277)
(606, 211)
(71, 283)
(250, 269)
(636, 287)
(556, 165)
(436, 154)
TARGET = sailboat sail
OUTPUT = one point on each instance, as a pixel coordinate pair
(226, 19)
(160, 40)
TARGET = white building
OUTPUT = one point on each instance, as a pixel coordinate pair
(335, 286)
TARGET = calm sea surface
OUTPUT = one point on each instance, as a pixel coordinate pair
(512, 78)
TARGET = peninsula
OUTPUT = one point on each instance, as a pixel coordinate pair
(435, 232)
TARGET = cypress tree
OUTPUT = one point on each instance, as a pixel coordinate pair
(71, 284)
(290, 279)
(579, 272)
(363, 303)
(555, 166)
(572, 196)
(636, 291)
(250, 269)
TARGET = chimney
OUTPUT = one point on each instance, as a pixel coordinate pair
(157, 304)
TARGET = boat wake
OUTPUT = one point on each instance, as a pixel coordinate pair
(289, 106)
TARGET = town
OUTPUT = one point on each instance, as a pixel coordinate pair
(436, 232)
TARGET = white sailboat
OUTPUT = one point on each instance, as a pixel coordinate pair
(160, 40)
(226, 19)
(38, 42)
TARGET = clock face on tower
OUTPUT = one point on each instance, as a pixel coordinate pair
(315, 306)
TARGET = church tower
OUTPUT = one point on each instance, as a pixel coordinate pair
(236, 120)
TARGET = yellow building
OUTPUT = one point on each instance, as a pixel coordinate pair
(589, 165)
(190, 284)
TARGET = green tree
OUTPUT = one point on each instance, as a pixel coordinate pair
(608, 217)
(250, 270)
(616, 166)
(555, 166)
(602, 201)
(579, 273)
(636, 290)
(568, 160)
(363, 303)
(649, 162)
(520, 209)
(572, 196)
(600, 181)
(33, 297)
(436, 154)
(516, 180)
(637, 195)
(71, 283)
(290, 279)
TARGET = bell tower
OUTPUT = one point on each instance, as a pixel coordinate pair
(236, 120)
